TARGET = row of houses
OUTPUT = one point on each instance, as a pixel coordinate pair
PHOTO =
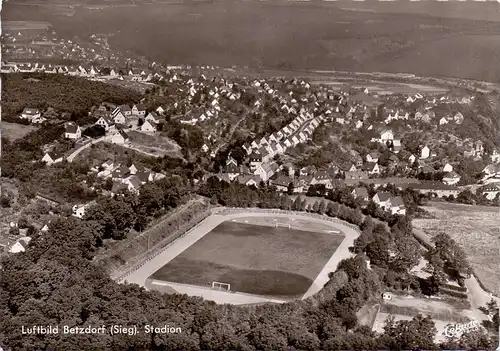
(88, 71)
(298, 131)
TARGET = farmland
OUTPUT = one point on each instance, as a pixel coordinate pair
(261, 260)
(475, 228)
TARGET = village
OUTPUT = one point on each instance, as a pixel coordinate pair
(304, 110)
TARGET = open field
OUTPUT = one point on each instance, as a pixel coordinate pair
(14, 131)
(290, 35)
(379, 87)
(254, 259)
(154, 144)
(475, 228)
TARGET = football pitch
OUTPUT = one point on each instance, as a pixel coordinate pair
(254, 259)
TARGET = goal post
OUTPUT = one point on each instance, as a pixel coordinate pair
(221, 286)
(276, 225)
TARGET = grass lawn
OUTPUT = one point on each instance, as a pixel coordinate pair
(14, 131)
(254, 259)
(475, 228)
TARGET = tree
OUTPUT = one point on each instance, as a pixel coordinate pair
(322, 207)
(315, 207)
(297, 204)
(290, 188)
(416, 334)
(453, 256)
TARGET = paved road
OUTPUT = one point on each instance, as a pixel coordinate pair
(77, 151)
(141, 275)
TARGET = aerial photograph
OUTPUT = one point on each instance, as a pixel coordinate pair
(253, 175)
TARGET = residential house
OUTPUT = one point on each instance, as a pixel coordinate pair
(309, 170)
(20, 245)
(160, 110)
(491, 191)
(357, 175)
(445, 120)
(396, 145)
(371, 167)
(372, 157)
(451, 178)
(51, 157)
(320, 177)
(133, 184)
(107, 123)
(255, 159)
(495, 156)
(120, 137)
(149, 126)
(135, 168)
(72, 131)
(108, 165)
(447, 168)
(120, 173)
(266, 170)
(435, 189)
(360, 193)
(425, 153)
(282, 183)
(153, 117)
(118, 188)
(248, 179)
(232, 170)
(491, 171)
(30, 113)
(458, 118)
(386, 135)
(396, 205)
(80, 210)
(412, 159)
(118, 116)
(382, 199)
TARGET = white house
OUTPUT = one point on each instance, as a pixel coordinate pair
(382, 199)
(20, 245)
(120, 137)
(106, 122)
(447, 168)
(30, 113)
(72, 131)
(79, 210)
(451, 178)
(396, 205)
(443, 121)
(50, 158)
(153, 117)
(149, 126)
(412, 159)
(386, 135)
(425, 153)
(160, 110)
(372, 157)
(118, 116)
(495, 156)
